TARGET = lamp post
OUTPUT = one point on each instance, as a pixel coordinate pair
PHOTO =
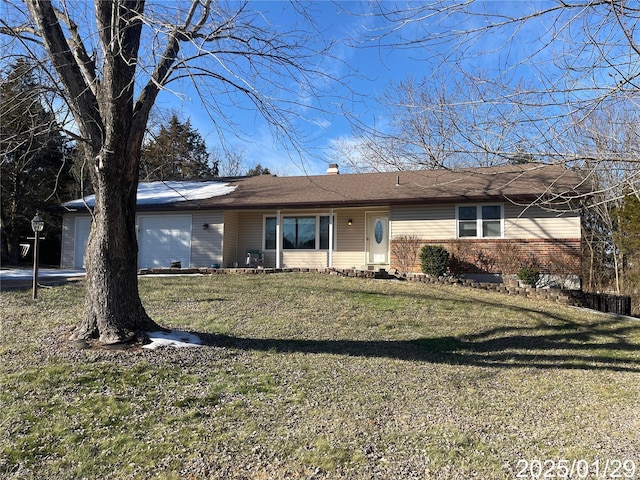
(37, 224)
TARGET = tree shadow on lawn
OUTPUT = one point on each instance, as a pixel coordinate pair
(601, 345)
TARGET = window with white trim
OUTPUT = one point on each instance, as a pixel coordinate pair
(304, 232)
(479, 221)
(270, 233)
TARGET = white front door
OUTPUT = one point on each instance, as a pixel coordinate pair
(377, 239)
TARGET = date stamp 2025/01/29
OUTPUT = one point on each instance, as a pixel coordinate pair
(577, 469)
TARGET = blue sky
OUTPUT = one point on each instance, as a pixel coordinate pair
(367, 70)
(364, 69)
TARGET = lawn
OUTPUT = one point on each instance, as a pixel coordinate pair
(323, 377)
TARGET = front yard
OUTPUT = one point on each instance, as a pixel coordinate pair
(312, 376)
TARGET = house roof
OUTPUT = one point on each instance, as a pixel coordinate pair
(167, 193)
(513, 182)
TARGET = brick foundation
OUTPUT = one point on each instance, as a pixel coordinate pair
(502, 256)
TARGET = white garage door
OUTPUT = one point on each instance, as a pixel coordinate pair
(82, 226)
(163, 240)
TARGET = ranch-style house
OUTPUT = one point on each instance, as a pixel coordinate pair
(490, 219)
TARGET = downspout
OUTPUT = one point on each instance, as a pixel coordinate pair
(278, 240)
(331, 238)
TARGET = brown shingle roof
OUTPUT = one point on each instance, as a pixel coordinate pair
(515, 182)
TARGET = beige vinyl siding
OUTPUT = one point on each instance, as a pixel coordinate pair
(206, 245)
(230, 240)
(435, 222)
(438, 222)
(351, 259)
(250, 226)
(305, 259)
(535, 222)
(350, 239)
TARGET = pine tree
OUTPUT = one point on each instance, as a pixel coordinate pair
(177, 152)
(32, 168)
(258, 170)
(627, 234)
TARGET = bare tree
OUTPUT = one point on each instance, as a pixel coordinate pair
(433, 123)
(537, 68)
(405, 249)
(608, 141)
(112, 60)
(230, 161)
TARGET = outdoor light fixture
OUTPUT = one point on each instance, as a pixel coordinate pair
(37, 225)
(205, 226)
(350, 222)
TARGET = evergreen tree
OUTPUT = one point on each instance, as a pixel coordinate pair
(258, 170)
(33, 171)
(177, 152)
(627, 235)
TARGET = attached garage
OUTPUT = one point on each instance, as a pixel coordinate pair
(163, 240)
(166, 233)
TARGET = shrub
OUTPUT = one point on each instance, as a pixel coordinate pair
(460, 253)
(529, 275)
(405, 250)
(434, 260)
(508, 257)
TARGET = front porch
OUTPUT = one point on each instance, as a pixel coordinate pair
(343, 238)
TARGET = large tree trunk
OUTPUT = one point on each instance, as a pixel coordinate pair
(105, 112)
(113, 309)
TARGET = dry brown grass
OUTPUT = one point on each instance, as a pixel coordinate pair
(311, 376)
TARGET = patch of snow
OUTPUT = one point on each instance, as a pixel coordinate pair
(174, 338)
(27, 273)
(159, 193)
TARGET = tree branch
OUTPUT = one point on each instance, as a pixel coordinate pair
(85, 62)
(80, 97)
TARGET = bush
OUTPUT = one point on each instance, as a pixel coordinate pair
(434, 260)
(508, 257)
(529, 275)
(405, 250)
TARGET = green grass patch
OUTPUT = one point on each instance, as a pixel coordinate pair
(305, 375)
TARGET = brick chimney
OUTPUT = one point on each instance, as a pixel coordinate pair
(333, 169)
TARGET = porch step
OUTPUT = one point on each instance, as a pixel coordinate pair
(382, 274)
